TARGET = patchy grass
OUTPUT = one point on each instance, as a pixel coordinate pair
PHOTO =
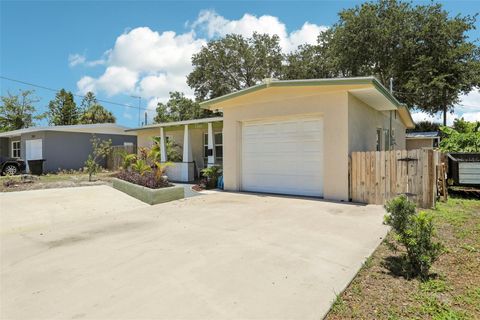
(380, 291)
(56, 180)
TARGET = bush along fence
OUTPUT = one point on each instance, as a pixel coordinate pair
(378, 176)
(115, 156)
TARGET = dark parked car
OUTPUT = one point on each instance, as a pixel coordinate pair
(11, 165)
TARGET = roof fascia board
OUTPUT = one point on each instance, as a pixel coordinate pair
(303, 83)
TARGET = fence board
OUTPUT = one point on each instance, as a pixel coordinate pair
(378, 176)
(114, 158)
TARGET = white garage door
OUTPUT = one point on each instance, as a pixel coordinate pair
(33, 149)
(283, 157)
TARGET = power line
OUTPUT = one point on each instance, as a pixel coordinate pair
(76, 95)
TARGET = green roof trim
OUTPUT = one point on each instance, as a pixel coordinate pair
(304, 83)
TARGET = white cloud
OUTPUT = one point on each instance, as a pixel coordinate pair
(438, 118)
(470, 102)
(471, 116)
(115, 80)
(151, 64)
(215, 25)
(75, 59)
(80, 59)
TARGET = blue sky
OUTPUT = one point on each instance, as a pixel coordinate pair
(124, 48)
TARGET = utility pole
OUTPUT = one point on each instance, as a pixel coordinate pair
(139, 108)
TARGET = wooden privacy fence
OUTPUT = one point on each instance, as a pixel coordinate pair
(114, 158)
(378, 176)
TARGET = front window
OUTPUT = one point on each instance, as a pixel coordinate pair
(218, 147)
(16, 149)
(386, 139)
(205, 149)
(379, 139)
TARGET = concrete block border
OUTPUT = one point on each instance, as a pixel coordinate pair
(147, 195)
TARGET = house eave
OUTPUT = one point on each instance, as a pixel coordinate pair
(177, 123)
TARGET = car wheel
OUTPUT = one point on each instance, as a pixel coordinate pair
(10, 169)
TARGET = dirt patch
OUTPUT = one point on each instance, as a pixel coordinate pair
(381, 291)
(19, 183)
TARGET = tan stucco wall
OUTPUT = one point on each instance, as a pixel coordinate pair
(363, 122)
(349, 125)
(177, 134)
(332, 106)
(419, 143)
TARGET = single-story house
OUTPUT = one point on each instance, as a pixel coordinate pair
(199, 141)
(295, 136)
(421, 140)
(62, 147)
(287, 137)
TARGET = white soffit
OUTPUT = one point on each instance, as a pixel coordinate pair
(373, 98)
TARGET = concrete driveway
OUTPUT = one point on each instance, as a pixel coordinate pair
(219, 256)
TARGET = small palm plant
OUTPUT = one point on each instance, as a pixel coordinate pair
(141, 167)
(127, 159)
(160, 169)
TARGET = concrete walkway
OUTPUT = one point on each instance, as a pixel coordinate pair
(219, 256)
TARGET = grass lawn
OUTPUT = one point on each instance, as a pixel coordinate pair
(453, 290)
(56, 180)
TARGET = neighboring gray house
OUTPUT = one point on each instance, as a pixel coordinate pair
(62, 147)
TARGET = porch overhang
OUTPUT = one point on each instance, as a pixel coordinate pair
(178, 123)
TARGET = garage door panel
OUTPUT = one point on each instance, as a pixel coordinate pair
(283, 157)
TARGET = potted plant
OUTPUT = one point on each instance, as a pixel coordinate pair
(212, 174)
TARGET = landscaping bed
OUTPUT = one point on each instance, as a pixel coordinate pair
(149, 195)
(381, 291)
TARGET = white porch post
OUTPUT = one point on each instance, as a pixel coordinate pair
(163, 148)
(187, 155)
(211, 158)
(187, 146)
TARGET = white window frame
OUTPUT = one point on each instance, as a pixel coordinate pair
(18, 150)
(379, 133)
(205, 145)
(215, 145)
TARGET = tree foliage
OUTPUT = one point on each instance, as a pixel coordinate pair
(88, 100)
(425, 51)
(234, 63)
(93, 112)
(96, 113)
(464, 136)
(179, 108)
(100, 150)
(425, 126)
(17, 111)
(63, 110)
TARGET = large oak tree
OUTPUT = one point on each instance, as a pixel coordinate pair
(426, 52)
(234, 63)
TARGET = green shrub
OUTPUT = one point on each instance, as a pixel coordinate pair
(401, 211)
(422, 251)
(100, 150)
(212, 174)
(415, 232)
